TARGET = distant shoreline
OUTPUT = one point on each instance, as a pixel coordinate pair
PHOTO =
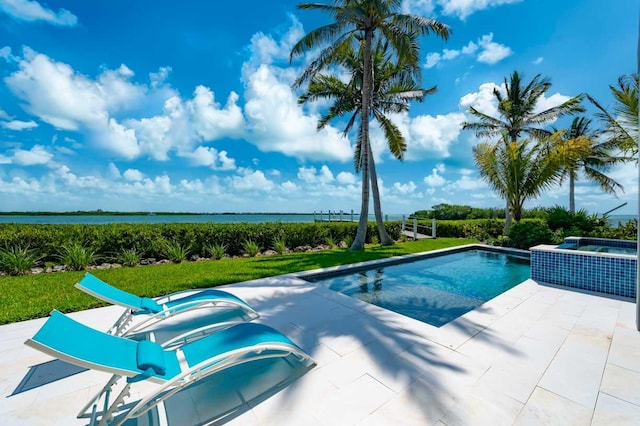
(107, 213)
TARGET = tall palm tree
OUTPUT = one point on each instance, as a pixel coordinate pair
(520, 170)
(594, 162)
(621, 126)
(366, 19)
(517, 114)
(393, 89)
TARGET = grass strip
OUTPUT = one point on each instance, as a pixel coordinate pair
(35, 296)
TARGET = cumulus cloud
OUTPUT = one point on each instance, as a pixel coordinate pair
(435, 179)
(463, 8)
(211, 157)
(538, 60)
(346, 178)
(405, 188)
(429, 136)
(312, 175)
(37, 155)
(251, 181)
(417, 7)
(133, 175)
(488, 52)
(31, 11)
(18, 125)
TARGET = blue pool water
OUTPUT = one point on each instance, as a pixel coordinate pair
(434, 290)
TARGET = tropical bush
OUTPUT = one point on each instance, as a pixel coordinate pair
(175, 252)
(524, 235)
(129, 257)
(17, 260)
(215, 251)
(75, 256)
(250, 248)
(280, 245)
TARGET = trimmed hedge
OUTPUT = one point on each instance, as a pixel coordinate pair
(481, 229)
(150, 239)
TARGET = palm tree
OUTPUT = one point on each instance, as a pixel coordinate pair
(366, 19)
(595, 161)
(518, 114)
(621, 127)
(393, 89)
(521, 170)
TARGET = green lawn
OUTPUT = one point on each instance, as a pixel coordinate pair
(35, 296)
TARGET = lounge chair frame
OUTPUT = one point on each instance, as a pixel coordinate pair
(126, 325)
(101, 410)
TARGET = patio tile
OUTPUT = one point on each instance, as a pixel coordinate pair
(625, 349)
(353, 403)
(548, 408)
(614, 411)
(481, 407)
(576, 370)
(621, 383)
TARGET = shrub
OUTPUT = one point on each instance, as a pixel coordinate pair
(17, 260)
(280, 245)
(330, 242)
(375, 239)
(216, 251)
(524, 235)
(348, 240)
(176, 252)
(76, 257)
(129, 257)
(251, 248)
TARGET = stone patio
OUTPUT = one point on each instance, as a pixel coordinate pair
(533, 355)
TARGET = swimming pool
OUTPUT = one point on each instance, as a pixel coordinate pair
(435, 290)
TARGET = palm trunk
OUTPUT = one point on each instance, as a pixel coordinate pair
(507, 218)
(361, 233)
(572, 196)
(385, 240)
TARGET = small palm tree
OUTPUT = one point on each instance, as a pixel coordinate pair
(621, 126)
(517, 114)
(367, 20)
(521, 170)
(594, 163)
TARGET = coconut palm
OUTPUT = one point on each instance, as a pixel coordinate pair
(621, 126)
(595, 161)
(518, 113)
(523, 169)
(393, 89)
(366, 19)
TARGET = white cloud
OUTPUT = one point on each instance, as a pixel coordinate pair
(289, 186)
(113, 171)
(433, 59)
(5, 53)
(489, 52)
(37, 155)
(435, 179)
(538, 60)
(133, 175)
(405, 188)
(467, 183)
(18, 125)
(210, 157)
(312, 175)
(417, 7)
(31, 10)
(429, 135)
(251, 180)
(464, 8)
(492, 52)
(346, 178)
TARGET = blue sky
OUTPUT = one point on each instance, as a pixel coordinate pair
(147, 105)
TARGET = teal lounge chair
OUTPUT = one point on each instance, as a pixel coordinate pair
(145, 362)
(155, 310)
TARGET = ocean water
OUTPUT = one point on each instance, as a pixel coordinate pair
(199, 218)
(615, 220)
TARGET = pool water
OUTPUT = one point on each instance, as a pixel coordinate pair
(435, 290)
(607, 249)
